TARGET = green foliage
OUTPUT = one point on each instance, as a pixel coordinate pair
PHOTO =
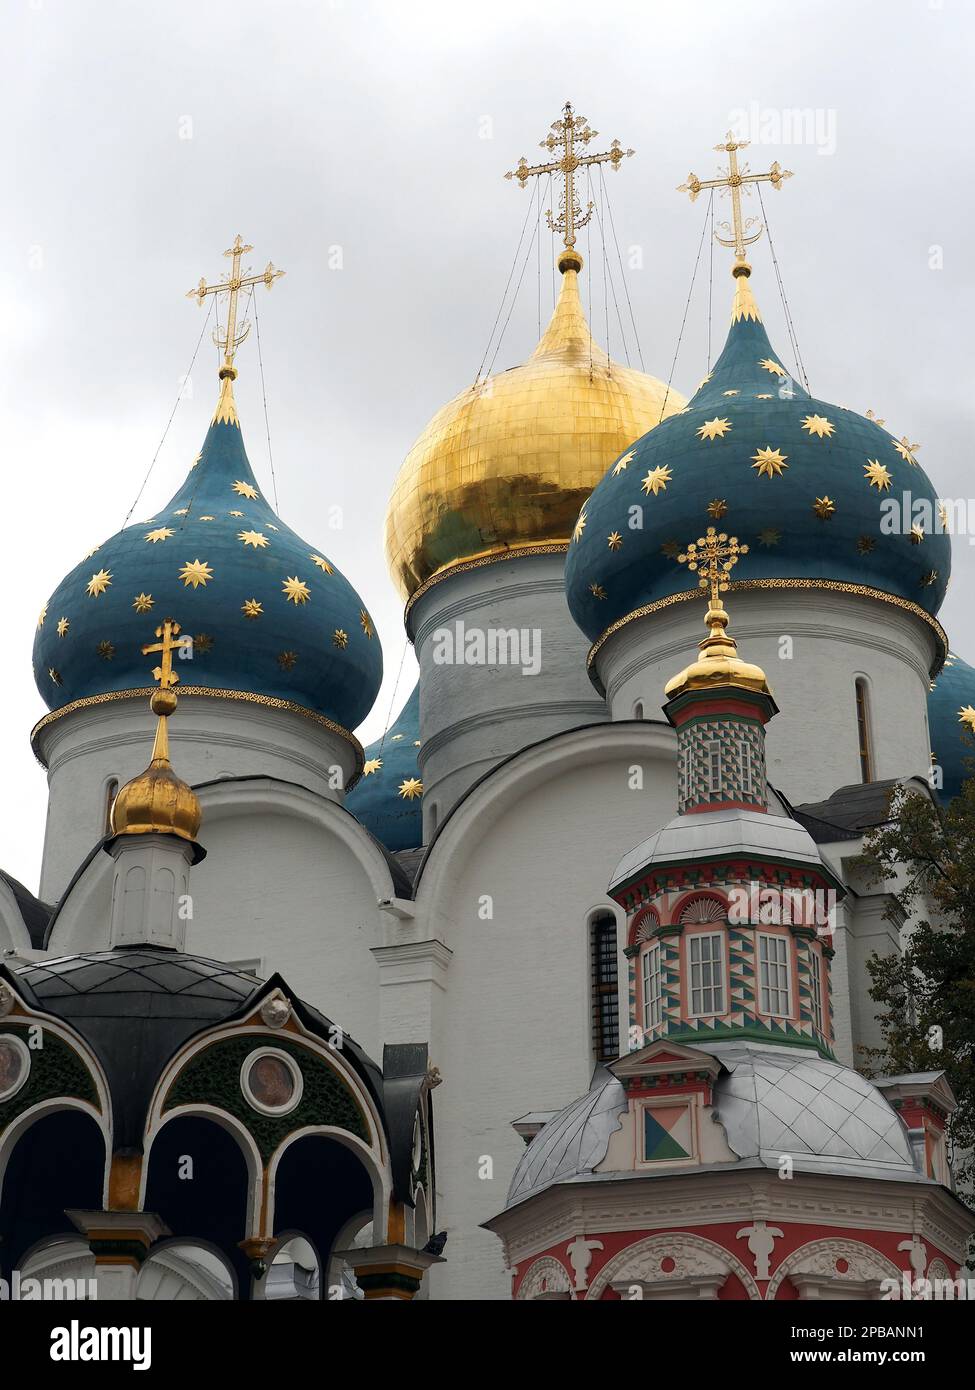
(927, 994)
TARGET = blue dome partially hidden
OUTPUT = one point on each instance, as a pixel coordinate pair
(387, 798)
(269, 614)
(951, 720)
(799, 481)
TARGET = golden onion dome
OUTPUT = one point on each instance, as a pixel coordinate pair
(506, 465)
(157, 801)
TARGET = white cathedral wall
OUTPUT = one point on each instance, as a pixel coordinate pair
(290, 884)
(474, 715)
(90, 749)
(512, 1034)
(812, 744)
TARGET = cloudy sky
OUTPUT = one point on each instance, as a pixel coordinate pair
(360, 144)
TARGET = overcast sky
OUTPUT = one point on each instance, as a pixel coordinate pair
(139, 138)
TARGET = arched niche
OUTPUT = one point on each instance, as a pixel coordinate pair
(182, 1271)
(56, 1164)
(320, 1184)
(199, 1182)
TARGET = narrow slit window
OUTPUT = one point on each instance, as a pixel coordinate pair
(746, 767)
(714, 767)
(863, 732)
(652, 989)
(111, 791)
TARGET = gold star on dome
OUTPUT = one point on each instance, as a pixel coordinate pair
(98, 583)
(196, 460)
(396, 737)
(943, 517)
(271, 526)
(928, 579)
(202, 643)
(106, 651)
(235, 513)
(966, 715)
(765, 396)
(340, 638)
(54, 674)
(416, 743)
(142, 603)
(251, 608)
(205, 518)
(287, 660)
(295, 590)
(245, 490)
(866, 544)
(161, 533)
(597, 591)
(729, 393)
(877, 475)
(255, 538)
(769, 537)
(714, 429)
(703, 382)
(614, 540)
(917, 533)
(371, 765)
(906, 449)
(411, 789)
(322, 563)
(656, 480)
(818, 425)
(770, 365)
(718, 508)
(41, 616)
(181, 511)
(824, 507)
(196, 573)
(875, 418)
(770, 462)
(580, 525)
(671, 549)
(621, 464)
(63, 626)
(366, 623)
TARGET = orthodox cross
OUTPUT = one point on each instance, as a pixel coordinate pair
(736, 179)
(164, 672)
(231, 286)
(712, 557)
(565, 136)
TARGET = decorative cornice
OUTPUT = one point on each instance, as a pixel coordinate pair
(241, 696)
(747, 585)
(513, 552)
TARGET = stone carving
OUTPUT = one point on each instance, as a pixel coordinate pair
(276, 1009)
(918, 1256)
(546, 1276)
(761, 1243)
(671, 1256)
(834, 1260)
(580, 1257)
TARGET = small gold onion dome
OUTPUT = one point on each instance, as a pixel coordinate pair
(157, 801)
(509, 462)
(719, 663)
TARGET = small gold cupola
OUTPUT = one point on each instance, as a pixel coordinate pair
(712, 557)
(157, 802)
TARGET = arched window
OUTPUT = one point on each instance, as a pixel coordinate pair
(638, 710)
(111, 791)
(604, 977)
(863, 731)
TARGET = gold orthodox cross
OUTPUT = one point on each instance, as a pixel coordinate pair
(736, 179)
(565, 136)
(712, 557)
(164, 672)
(231, 339)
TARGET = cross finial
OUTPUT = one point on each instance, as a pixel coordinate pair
(230, 338)
(565, 137)
(737, 180)
(712, 557)
(167, 632)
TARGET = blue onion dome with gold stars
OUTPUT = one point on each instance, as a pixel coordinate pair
(801, 482)
(387, 799)
(951, 721)
(270, 615)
